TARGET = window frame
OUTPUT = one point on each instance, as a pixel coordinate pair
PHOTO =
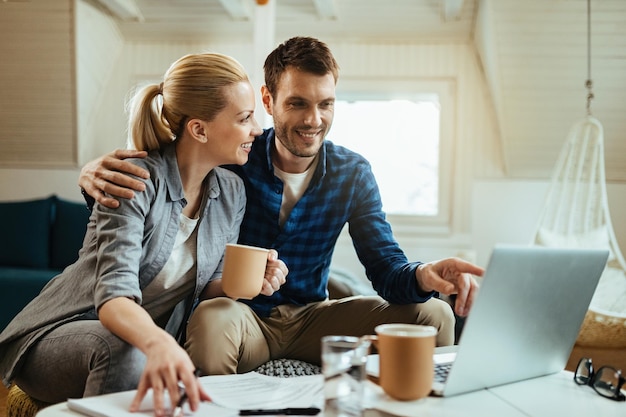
(412, 89)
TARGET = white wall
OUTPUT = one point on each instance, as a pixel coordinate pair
(26, 184)
(94, 69)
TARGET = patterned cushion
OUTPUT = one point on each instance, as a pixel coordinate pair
(286, 368)
(20, 404)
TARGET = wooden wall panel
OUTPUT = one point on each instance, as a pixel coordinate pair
(37, 80)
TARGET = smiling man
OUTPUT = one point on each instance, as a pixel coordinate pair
(302, 189)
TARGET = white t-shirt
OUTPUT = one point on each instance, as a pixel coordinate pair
(294, 186)
(178, 276)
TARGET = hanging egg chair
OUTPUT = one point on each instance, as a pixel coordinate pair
(576, 214)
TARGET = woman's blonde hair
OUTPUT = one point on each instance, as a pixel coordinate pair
(192, 88)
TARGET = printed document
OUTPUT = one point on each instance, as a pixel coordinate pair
(229, 394)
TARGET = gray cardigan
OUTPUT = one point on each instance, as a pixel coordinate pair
(125, 248)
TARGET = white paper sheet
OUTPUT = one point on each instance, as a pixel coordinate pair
(116, 405)
(253, 390)
(229, 394)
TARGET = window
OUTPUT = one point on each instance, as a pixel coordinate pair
(404, 128)
(401, 141)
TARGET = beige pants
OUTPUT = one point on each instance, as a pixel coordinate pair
(225, 336)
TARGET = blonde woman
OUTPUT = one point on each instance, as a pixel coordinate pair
(115, 319)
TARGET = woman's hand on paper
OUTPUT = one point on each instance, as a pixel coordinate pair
(168, 364)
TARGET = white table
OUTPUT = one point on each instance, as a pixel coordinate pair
(553, 395)
(557, 395)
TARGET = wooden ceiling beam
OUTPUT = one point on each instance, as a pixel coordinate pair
(326, 9)
(126, 10)
(452, 10)
(237, 9)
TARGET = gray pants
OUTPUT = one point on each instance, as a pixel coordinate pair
(225, 336)
(79, 359)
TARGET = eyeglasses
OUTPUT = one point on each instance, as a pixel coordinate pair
(607, 381)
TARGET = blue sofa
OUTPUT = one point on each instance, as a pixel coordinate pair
(39, 239)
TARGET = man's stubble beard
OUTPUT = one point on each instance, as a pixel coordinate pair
(282, 135)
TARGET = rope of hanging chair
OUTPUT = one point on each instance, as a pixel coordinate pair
(589, 82)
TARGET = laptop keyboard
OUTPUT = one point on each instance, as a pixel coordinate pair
(441, 371)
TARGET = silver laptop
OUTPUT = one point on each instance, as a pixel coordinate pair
(525, 319)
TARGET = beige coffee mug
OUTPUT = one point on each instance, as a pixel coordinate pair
(244, 270)
(406, 359)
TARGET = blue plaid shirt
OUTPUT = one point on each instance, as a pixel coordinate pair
(343, 189)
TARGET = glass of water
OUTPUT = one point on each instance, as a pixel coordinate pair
(343, 365)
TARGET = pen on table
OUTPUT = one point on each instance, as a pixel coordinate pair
(178, 410)
(291, 411)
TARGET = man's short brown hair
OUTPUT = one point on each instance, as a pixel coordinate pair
(303, 53)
